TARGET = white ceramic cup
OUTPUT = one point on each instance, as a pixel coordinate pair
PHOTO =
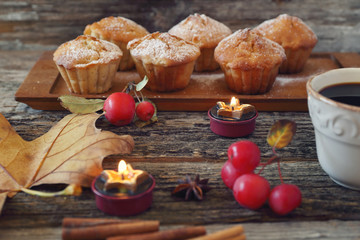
(337, 128)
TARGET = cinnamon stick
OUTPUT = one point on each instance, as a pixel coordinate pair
(240, 237)
(225, 234)
(173, 234)
(89, 222)
(108, 230)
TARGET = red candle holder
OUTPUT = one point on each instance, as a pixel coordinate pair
(120, 204)
(231, 127)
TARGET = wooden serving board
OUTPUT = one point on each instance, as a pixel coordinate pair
(44, 84)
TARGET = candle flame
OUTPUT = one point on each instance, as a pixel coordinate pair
(233, 102)
(122, 166)
(234, 109)
(125, 177)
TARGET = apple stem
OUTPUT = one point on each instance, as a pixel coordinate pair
(278, 165)
(279, 170)
(127, 88)
(142, 96)
(267, 163)
(273, 150)
(137, 97)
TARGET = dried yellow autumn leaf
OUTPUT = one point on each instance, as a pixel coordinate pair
(71, 153)
(281, 133)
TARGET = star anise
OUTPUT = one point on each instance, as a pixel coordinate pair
(190, 189)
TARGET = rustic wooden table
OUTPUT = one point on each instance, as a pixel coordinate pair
(180, 144)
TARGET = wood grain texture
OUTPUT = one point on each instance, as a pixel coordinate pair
(218, 206)
(181, 143)
(43, 24)
(180, 135)
(44, 85)
(333, 229)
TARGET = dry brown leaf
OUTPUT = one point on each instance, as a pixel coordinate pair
(71, 153)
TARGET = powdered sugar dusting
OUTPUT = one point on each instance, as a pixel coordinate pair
(163, 49)
(247, 48)
(84, 51)
(117, 28)
(201, 30)
(209, 81)
(294, 85)
(288, 31)
(283, 80)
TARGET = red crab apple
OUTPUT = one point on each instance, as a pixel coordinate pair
(284, 198)
(145, 110)
(119, 108)
(251, 190)
(229, 174)
(244, 156)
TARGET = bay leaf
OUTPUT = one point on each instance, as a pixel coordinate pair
(81, 105)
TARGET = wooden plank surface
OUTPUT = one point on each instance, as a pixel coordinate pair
(39, 24)
(182, 143)
(44, 85)
(218, 206)
(333, 229)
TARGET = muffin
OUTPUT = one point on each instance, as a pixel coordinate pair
(249, 61)
(206, 33)
(120, 31)
(168, 61)
(87, 64)
(294, 36)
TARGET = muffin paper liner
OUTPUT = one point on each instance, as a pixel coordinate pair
(295, 60)
(91, 80)
(255, 81)
(206, 61)
(165, 79)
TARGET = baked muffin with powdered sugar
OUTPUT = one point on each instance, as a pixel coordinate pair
(295, 36)
(87, 64)
(249, 61)
(206, 33)
(120, 31)
(168, 61)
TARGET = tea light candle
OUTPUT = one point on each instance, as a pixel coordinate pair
(232, 120)
(234, 109)
(124, 192)
(126, 177)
